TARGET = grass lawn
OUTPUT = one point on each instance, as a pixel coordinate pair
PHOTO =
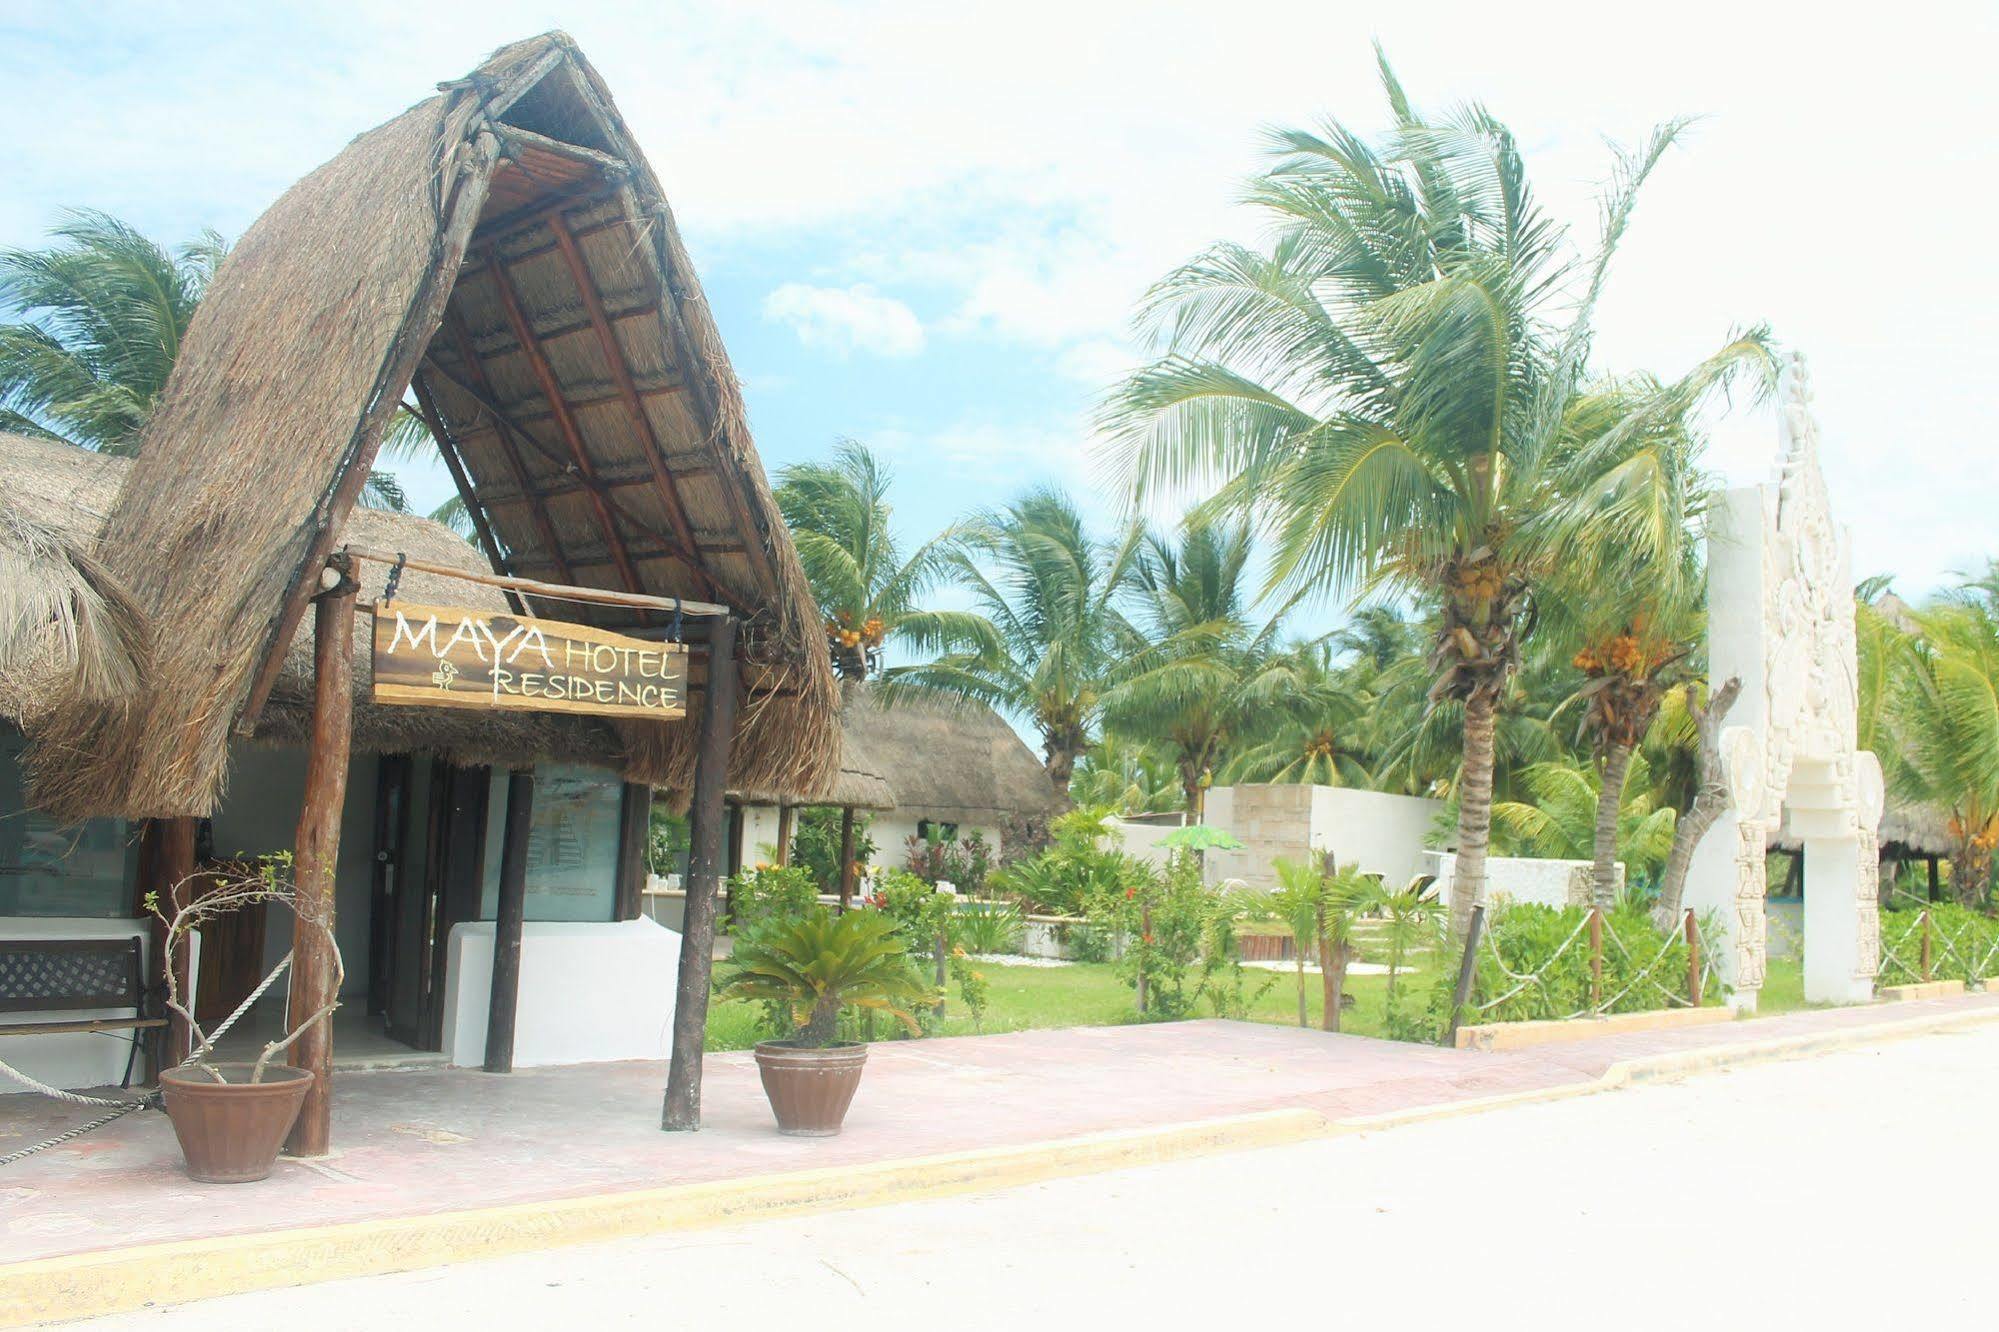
(1089, 994)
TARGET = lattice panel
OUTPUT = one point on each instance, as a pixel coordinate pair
(63, 974)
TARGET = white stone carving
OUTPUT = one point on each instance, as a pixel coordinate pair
(1781, 618)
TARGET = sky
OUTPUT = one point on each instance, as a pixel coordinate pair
(926, 226)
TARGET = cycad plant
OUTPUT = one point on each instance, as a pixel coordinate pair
(839, 517)
(1388, 387)
(813, 965)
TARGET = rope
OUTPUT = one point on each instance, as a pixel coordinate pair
(1530, 978)
(120, 1108)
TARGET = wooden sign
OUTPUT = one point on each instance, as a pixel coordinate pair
(442, 656)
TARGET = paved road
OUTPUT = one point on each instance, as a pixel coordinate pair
(1856, 1190)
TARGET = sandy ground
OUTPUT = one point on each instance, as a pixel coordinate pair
(1854, 1190)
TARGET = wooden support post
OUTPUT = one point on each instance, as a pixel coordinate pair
(1595, 958)
(316, 852)
(787, 820)
(634, 831)
(1144, 942)
(1467, 971)
(682, 1111)
(509, 923)
(1693, 960)
(166, 861)
(846, 857)
(1936, 888)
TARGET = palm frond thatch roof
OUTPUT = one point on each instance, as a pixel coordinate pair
(503, 252)
(73, 491)
(944, 760)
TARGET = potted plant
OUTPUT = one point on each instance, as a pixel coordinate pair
(232, 1119)
(808, 968)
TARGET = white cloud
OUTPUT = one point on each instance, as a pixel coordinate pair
(847, 319)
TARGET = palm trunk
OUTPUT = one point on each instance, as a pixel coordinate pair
(1298, 958)
(1474, 810)
(1061, 766)
(1333, 981)
(1970, 870)
(1710, 802)
(1609, 802)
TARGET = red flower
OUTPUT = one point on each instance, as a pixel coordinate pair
(1148, 938)
(1130, 893)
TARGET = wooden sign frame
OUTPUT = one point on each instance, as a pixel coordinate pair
(455, 657)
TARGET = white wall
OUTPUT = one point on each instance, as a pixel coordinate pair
(1384, 834)
(588, 992)
(1556, 883)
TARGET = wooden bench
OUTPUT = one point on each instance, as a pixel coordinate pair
(42, 975)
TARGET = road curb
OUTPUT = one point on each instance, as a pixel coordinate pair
(121, 1280)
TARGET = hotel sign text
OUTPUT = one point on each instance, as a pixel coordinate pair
(441, 656)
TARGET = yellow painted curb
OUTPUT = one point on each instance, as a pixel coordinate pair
(1522, 1035)
(119, 1280)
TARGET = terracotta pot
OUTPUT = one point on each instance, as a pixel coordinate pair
(230, 1132)
(810, 1089)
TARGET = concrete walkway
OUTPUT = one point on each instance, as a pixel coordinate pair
(423, 1142)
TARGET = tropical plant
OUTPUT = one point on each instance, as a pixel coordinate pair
(988, 927)
(1127, 776)
(1053, 595)
(1219, 671)
(1947, 718)
(1561, 820)
(839, 517)
(1310, 725)
(101, 316)
(1322, 911)
(1389, 387)
(815, 844)
(816, 964)
(1409, 923)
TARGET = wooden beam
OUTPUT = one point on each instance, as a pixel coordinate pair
(166, 863)
(568, 478)
(682, 1110)
(510, 224)
(509, 921)
(513, 135)
(477, 258)
(316, 851)
(475, 370)
(787, 818)
(447, 447)
(846, 856)
(557, 591)
(551, 389)
(621, 375)
(468, 195)
(634, 827)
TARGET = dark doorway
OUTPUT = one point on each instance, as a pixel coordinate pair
(449, 803)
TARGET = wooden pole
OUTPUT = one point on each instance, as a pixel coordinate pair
(682, 1110)
(534, 587)
(1144, 944)
(846, 857)
(316, 852)
(1693, 960)
(166, 861)
(1467, 970)
(634, 830)
(787, 822)
(509, 923)
(1595, 958)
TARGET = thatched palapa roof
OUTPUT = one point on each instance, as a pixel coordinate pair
(503, 253)
(73, 492)
(949, 761)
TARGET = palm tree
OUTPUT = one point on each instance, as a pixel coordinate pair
(1633, 612)
(839, 515)
(1313, 731)
(1223, 674)
(1388, 387)
(1947, 718)
(1126, 776)
(101, 315)
(1323, 910)
(1560, 821)
(1062, 641)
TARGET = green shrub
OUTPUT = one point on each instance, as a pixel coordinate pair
(758, 895)
(1964, 944)
(988, 927)
(1642, 966)
(815, 844)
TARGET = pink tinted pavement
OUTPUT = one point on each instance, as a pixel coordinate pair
(425, 1141)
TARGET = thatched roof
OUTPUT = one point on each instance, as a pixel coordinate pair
(505, 244)
(953, 762)
(65, 622)
(74, 491)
